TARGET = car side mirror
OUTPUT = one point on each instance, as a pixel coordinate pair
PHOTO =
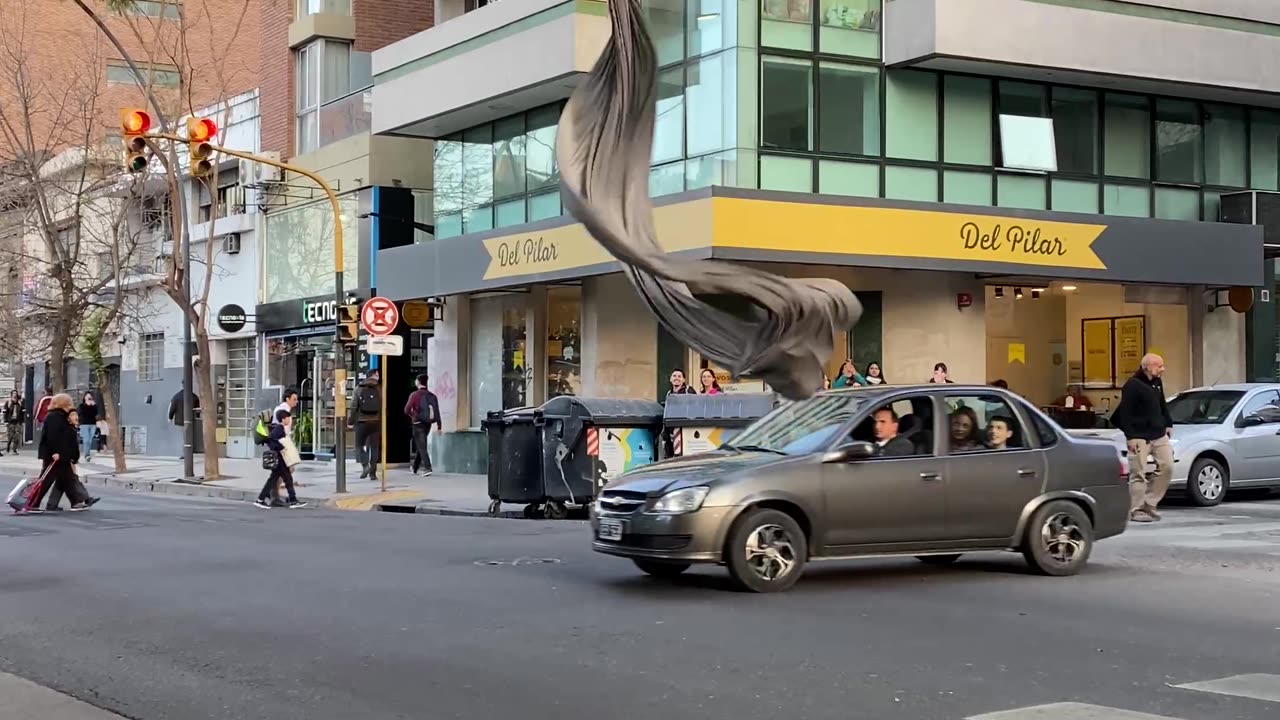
(859, 450)
(1249, 421)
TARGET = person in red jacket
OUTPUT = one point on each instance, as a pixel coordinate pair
(423, 410)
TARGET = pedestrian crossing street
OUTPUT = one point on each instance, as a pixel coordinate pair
(1250, 527)
(1258, 688)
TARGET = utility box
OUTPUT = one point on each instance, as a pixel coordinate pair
(701, 423)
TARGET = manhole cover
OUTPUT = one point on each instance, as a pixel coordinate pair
(519, 561)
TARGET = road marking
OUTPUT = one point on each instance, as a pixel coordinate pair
(1068, 711)
(1257, 686)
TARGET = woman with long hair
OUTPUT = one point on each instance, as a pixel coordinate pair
(59, 450)
(848, 376)
(875, 376)
(88, 412)
(709, 384)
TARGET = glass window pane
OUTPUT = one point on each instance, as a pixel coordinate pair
(849, 27)
(540, 148)
(1021, 191)
(713, 26)
(786, 24)
(719, 169)
(335, 80)
(1178, 147)
(1177, 204)
(1019, 98)
(448, 226)
(1212, 206)
(478, 219)
(786, 173)
(668, 127)
(966, 188)
(849, 106)
(911, 115)
(967, 120)
(1127, 136)
(509, 213)
(1127, 200)
(508, 157)
(546, 205)
(911, 183)
(447, 167)
(1075, 196)
(666, 179)
(710, 89)
(786, 89)
(1225, 143)
(665, 22)
(1075, 130)
(1264, 150)
(477, 168)
(849, 178)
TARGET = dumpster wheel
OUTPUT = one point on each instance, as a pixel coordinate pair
(555, 511)
(532, 511)
(495, 507)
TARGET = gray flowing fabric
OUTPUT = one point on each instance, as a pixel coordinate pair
(750, 322)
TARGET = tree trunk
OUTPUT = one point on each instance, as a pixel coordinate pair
(57, 378)
(114, 439)
(208, 402)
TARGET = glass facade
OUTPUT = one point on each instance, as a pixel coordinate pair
(297, 256)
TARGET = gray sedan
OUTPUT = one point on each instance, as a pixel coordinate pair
(931, 471)
(1225, 436)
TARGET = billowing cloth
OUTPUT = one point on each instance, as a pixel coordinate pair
(750, 322)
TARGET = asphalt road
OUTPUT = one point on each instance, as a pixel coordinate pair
(159, 607)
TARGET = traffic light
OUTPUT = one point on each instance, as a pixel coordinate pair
(349, 324)
(134, 124)
(201, 133)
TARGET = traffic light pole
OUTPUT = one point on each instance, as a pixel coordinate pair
(340, 353)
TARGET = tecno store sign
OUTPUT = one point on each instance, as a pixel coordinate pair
(316, 313)
(325, 311)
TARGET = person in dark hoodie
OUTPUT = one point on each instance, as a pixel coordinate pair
(58, 451)
(269, 498)
(365, 418)
(1144, 418)
(423, 410)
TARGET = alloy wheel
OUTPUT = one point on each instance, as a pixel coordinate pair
(770, 552)
(1063, 538)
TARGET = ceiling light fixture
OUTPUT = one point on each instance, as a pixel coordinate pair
(1069, 288)
(1017, 293)
(999, 291)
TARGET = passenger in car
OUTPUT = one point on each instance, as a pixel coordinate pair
(999, 433)
(888, 441)
(964, 426)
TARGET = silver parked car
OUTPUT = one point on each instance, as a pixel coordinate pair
(931, 471)
(1225, 436)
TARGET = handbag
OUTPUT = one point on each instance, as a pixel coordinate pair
(290, 453)
(269, 458)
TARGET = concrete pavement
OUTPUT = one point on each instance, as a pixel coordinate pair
(163, 607)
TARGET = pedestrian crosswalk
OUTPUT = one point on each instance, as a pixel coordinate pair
(1255, 687)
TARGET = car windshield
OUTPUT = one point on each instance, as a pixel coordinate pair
(1203, 407)
(799, 428)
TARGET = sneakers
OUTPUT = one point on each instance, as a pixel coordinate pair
(31, 511)
(92, 501)
(1140, 516)
(426, 472)
(298, 504)
(262, 503)
(79, 507)
(1151, 510)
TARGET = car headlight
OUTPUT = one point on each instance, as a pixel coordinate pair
(678, 502)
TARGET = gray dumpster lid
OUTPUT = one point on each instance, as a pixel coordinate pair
(605, 410)
(734, 407)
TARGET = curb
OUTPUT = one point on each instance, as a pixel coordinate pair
(168, 487)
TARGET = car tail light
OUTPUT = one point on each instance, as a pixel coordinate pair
(1124, 471)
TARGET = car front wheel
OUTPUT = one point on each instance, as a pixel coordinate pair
(1207, 483)
(1059, 538)
(766, 551)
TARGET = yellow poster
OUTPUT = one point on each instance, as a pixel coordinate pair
(1098, 364)
(1017, 353)
(1130, 337)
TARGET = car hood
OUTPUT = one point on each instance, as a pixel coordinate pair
(703, 469)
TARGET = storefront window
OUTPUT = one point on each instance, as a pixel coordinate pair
(564, 341)
(911, 115)
(499, 372)
(298, 253)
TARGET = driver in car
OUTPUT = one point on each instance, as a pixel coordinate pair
(888, 442)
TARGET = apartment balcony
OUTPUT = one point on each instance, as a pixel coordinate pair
(1213, 49)
(494, 61)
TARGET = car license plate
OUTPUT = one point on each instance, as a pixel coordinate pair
(610, 529)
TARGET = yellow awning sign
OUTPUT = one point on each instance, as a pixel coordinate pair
(893, 232)
(1017, 353)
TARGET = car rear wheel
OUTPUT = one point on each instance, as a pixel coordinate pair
(938, 559)
(1059, 538)
(1207, 484)
(660, 569)
(766, 551)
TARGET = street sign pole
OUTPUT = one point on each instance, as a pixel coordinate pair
(383, 432)
(379, 317)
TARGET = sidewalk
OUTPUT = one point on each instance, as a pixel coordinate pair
(438, 494)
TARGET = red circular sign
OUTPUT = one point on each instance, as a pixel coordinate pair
(379, 317)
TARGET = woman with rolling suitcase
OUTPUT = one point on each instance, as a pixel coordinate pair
(59, 450)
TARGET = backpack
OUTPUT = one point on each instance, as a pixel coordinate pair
(262, 428)
(425, 414)
(370, 403)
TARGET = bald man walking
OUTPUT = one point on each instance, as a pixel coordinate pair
(1144, 418)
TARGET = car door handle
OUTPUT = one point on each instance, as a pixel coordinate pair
(930, 476)
(1026, 472)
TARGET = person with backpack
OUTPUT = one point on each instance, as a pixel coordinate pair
(286, 457)
(366, 419)
(423, 410)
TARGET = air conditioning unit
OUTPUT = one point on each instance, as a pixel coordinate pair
(269, 173)
(231, 244)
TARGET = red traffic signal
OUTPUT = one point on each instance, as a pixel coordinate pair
(134, 122)
(201, 129)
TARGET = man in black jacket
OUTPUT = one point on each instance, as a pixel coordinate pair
(1144, 418)
(365, 418)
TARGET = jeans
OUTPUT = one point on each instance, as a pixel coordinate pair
(14, 441)
(421, 456)
(87, 434)
(368, 443)
(278, 473)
